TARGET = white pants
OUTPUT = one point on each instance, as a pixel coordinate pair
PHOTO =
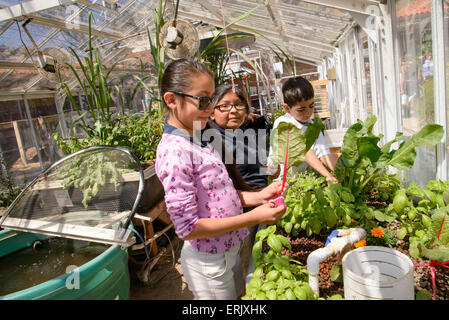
(212, 276)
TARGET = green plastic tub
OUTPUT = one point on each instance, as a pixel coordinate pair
(105, 276)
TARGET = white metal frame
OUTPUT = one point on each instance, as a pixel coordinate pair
(30, 7)
(440, 89)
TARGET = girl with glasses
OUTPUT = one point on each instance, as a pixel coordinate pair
(201, 195)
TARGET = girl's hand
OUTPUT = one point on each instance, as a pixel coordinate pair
(267, 213)
(271, 191)
(331, 178)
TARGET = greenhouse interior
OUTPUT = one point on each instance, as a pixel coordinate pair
(81, 85)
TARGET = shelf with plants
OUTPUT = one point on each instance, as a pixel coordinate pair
(103, 125)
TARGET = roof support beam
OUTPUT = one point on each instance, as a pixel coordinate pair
(30, 7)
(325, 17)
(214, 11)
(358, 6)
(98, 7)
(313, 45)
(277, 23)
(64, 26)
(6, 27)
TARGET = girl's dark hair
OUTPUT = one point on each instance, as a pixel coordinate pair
(223, 89)
(178, 75)
(296, 90)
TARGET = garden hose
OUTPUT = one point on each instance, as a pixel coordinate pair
(141, 239)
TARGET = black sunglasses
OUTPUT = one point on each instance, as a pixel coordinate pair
(204, 102)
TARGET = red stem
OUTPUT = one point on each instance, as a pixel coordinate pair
(285, 163)
(442, 223)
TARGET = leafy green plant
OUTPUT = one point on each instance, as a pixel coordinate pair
(94, 84)
(9, 190)
(276, 276)
(362, 159)
(414, 207)
(139, 133)
(91, 172)
(288, 137)
(158, 53)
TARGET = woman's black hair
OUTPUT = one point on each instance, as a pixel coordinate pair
(223, 89)
(296, 90)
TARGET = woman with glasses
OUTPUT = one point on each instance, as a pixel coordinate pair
(247, 142)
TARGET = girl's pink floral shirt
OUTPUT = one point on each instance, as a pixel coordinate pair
(196, 186)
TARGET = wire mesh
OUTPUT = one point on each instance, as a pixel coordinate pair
(98, 187)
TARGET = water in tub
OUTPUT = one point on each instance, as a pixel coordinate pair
(47, 260)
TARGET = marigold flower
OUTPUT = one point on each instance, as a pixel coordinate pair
(377, 232)
(360, 243)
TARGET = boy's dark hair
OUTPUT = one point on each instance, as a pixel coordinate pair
(223, 89)
(296, 90)
(178, 75)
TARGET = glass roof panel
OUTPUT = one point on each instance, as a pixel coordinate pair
(11, 41)
(302, 29)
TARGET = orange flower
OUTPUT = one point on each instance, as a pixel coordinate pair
(359, 244)
(377, 232)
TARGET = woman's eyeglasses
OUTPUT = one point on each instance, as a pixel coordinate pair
(204, 102)
(228, 107)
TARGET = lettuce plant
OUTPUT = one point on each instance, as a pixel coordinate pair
(362, 159)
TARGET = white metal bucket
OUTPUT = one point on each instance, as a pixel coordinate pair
(377, 273)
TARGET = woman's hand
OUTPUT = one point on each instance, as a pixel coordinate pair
(272, 191)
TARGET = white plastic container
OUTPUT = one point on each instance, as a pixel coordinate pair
(377, 273)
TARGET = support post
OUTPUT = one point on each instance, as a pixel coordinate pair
(439, 78)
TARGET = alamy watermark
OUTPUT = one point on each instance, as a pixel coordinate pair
(73, 278)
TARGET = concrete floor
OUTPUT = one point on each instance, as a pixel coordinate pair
(166, 280)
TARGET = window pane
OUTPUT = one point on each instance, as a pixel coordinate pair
(414, 42)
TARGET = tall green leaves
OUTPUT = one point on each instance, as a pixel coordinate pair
(405, 156)
(109, 127)
(287, 134)
(157, 51)
(94, 85)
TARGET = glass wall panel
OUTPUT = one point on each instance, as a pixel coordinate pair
(366, 73)
(414, 45)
